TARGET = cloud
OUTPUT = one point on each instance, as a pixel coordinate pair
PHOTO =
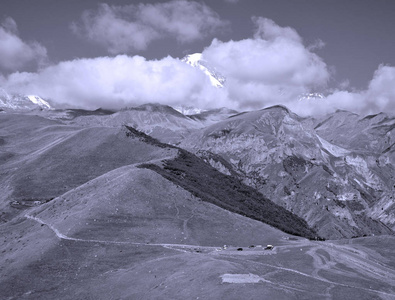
(272, 67)
(16, 53)
(378, 97)
(317, 45)
(267, 29)
(116, 82)
(124, 29)
(9, 25)
(344, 84)
(381, 90)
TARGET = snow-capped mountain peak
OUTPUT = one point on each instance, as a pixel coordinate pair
(311, 96)
(39, 101)
(193, 59)
(196, 60)
(21, 102)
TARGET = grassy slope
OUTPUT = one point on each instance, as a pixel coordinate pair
(138, 205)
(46, 159)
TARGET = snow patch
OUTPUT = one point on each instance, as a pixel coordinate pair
(333, 149)
(311, 96)
(241, 278)
(188, 110)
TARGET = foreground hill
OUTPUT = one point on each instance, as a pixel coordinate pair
(42, 159)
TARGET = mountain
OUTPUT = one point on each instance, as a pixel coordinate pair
(372, 140)
(93, 208)
(335, 187)
(196, 60)
(21, 102)
(334, 172)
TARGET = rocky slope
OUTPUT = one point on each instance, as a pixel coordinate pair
(343, 187)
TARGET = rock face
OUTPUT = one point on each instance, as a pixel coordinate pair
(337, 173)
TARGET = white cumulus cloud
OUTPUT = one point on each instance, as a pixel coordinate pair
(116, 82)
(381, 90)
(124, 29)
(379, 96)
(16, 53)
(272, 67)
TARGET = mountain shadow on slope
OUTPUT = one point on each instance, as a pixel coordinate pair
(207, 183)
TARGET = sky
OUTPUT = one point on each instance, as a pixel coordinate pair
(91, 54)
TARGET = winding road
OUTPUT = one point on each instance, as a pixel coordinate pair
(326, 256)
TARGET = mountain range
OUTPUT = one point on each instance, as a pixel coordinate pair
(147, 202)
(334, 171)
